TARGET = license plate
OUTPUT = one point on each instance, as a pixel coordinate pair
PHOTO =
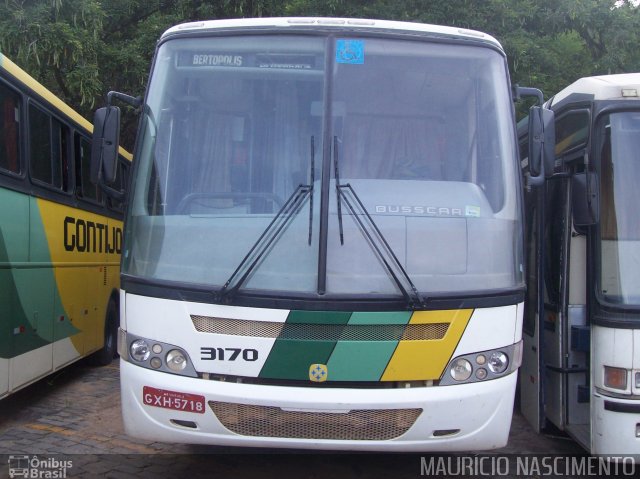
(173, 400)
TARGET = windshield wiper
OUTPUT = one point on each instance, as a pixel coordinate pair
(311, 183)
(338, 188)
(269, 236)
(374, 236)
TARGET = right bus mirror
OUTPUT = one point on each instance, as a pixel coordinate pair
(104, 146)
(584, 199)
(549, 147)
(542, 142)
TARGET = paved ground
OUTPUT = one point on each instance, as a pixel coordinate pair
(75, 415)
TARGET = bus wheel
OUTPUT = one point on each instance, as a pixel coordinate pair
(105, 355)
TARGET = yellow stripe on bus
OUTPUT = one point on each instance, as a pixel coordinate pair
(426, 359)
(80, 241)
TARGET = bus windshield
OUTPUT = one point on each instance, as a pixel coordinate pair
(237, 127)
(620, 229)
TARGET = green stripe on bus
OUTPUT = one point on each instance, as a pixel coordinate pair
(16, 331)
(291, 358)
(29, 298)
(364, 360)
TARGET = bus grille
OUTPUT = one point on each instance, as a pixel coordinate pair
(356, 425)
(320, 332)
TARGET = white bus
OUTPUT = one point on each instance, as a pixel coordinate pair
(581, 364)
(323, 244)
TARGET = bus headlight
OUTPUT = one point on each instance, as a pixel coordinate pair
(140, 350)
(461, 370)
(498, 362)
(176, 360)
(149, 353)
(483, 365)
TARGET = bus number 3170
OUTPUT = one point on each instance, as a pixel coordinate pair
(228, 354)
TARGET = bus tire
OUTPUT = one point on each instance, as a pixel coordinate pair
(112, 321)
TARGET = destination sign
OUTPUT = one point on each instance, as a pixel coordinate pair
(280, 61)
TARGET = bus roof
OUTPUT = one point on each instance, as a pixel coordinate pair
(604, 87)
(23, 77)
(327, 22)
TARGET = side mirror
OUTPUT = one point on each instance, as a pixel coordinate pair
(549, 147)
(585, 191)
(536, 128)
(542, 142)
(104, 146)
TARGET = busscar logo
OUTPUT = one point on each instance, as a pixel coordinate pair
(418, 210)
(318, 373)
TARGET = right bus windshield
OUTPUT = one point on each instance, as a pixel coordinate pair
(619, 200)
(237, 126)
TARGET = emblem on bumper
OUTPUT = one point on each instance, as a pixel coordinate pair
(318, 373)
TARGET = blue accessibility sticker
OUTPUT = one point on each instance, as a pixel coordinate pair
(350, 51)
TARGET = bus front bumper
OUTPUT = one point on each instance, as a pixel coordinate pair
(616, 429)
(465, 417)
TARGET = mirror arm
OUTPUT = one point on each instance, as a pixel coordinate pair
(135, 102)
(521, 91)
(535, 181)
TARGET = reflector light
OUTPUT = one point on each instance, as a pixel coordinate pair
(615, 378)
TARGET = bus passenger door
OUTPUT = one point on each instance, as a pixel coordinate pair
(531, 379)
(565, 276)
(555, 237)
(577, 344)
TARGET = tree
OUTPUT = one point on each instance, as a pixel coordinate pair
(81, 49)
(58, 43)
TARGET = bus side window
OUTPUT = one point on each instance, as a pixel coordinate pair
(84, 188)
(9, 130)
(49, 154)
(572, 131)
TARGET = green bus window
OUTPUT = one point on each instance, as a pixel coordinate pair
(49, 156)
(572, 132)
(10, 128)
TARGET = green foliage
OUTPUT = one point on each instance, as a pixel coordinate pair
(57, 43)
(81, 49)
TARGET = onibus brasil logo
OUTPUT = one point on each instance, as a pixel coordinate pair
(34, 467)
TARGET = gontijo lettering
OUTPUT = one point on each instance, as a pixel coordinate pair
(89, 237)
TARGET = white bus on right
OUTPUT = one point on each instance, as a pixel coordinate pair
(581, 328)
